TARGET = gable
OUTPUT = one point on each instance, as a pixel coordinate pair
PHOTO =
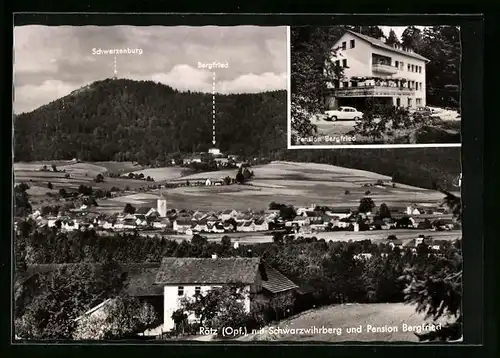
(380, 44)
(275, 282)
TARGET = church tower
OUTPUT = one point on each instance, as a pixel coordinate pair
(162, 205)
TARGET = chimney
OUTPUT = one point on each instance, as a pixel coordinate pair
(214, 256)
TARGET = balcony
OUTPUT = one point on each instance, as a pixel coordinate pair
(387, 69)
(373, 91)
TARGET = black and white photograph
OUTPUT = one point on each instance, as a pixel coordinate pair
(375, 85)
(156, 200)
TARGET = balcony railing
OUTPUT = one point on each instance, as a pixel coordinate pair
(373, 91)
(378, 67)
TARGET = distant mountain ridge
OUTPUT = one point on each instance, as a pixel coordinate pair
(122, 120)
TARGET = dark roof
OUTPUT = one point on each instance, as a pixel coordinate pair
(143, 210)
(443, 222)
(313, 214)
(207, 270)
(276, 281)
(378, 43)
(141, 276)
(227, 211)
(141, 279)
(340, 210)
(184, 222)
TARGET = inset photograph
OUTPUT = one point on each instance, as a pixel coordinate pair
(375, 85)
(159, 202)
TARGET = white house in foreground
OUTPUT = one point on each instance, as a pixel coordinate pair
(389, 74)
(184, 277)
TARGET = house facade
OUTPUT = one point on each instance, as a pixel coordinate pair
(388, 74)
(183, 278)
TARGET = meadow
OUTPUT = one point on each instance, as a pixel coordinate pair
(162, 174)
(80, 174)
(298, 184)
(347, 316)
(378, 236)
(284, 182)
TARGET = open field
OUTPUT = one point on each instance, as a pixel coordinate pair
(344, 317)
(161, 174)
(298, 184)
(402, 234)
(291, 183)
(39, 165)
(119, 167)
(249, 238)
(80, 174)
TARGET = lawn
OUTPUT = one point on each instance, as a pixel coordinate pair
(347, 316)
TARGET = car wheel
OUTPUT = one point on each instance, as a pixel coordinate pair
(356, 118)
(333, 118)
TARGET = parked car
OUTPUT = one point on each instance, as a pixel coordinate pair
(422, 110)
(343, 113)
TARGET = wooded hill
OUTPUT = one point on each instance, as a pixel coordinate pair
(119, 119)
(125, 120)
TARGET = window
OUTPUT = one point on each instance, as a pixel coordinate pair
(409, 67)
(396, 63)
(409, 102)
(419, 101)
(344, 63)
(345, 84)
(412, 68)
(344, 45)
(197, 290)
(419, 69)
(180, 291)
(352, 43)
(416, 86)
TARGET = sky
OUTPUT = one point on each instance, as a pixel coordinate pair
(397, 29)
(52, 61)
